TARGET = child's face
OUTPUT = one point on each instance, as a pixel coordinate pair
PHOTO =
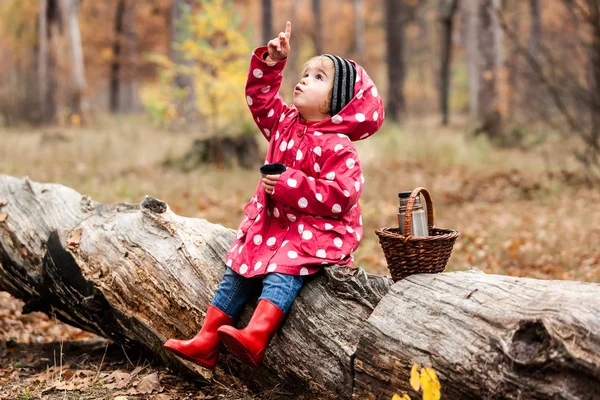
(311, 94)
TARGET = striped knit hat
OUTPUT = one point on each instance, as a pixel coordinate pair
(343, 83)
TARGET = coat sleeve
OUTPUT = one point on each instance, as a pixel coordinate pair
(336, 190)
(262, 92)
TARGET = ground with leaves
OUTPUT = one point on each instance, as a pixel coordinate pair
(520, 212)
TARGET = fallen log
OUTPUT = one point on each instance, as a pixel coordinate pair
(139, 274)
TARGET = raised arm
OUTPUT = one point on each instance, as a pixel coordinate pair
(264, 80)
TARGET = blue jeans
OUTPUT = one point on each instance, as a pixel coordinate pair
(234, 290)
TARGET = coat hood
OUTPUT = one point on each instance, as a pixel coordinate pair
(362, 116)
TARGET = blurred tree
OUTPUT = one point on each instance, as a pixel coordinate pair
(267, 21)
(217, 49)
(535, 37)
(359, 30)
(485, 59)
(317, 28)
(49, 28)
(77, 82)
(115, 67)
(128, 96)
(184, 80)
(569, 99)
(447, 10)
(469, 7)
(394, 26)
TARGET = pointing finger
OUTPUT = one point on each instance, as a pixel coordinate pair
(288, 30)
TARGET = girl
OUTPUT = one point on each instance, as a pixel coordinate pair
(299, 220)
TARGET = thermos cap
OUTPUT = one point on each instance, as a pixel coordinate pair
(404, 195)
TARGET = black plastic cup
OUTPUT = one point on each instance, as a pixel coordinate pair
(272, 169)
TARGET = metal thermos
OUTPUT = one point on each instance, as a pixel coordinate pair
(419, 217)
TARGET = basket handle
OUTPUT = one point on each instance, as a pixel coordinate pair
(409, 210)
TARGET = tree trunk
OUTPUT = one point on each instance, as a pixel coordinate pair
(489, 118)
(50, 25)
(115, 65)
(487, 337)
(359, 30)
(395, 59)
(318, 31)
(514, 62)
(184, 81)
(447, 12)
(129, 96)
(267, 21)
(535, 36)
(43, 57)
(469, 7)
(139, 274)
(78, 83)
(593, 151)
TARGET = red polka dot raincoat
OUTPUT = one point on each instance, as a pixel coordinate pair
(313, 216)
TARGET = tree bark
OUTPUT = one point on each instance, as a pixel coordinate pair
(359, 30)
(469, 7)
(43, 56)
(447, 12)
(78, 83)
(394, 27)
(139, 274)
(115, 65)
(535, 36)
(489, 60)
(129, 94)
(487, 336)
(184, 81)
(318, 31)
(50, 25)
(267, 21)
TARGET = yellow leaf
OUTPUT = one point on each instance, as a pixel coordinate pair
(414, 378)
(404, 397)
(75, 120)
(430, 384)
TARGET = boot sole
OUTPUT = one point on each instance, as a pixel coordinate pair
(238, 349)
(190, 358)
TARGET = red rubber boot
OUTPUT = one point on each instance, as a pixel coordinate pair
(203, 349)
(249, 344)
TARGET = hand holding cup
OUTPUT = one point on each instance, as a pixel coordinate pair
(270, 174)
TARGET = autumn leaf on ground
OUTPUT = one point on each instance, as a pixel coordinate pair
(150, 383)
(75, 237)
(414, 378)
(3, 217)
(430, 384)
(404, 397)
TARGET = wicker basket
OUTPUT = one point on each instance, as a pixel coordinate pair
(409, 254)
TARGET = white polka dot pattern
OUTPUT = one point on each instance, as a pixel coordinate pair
(321, 186)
